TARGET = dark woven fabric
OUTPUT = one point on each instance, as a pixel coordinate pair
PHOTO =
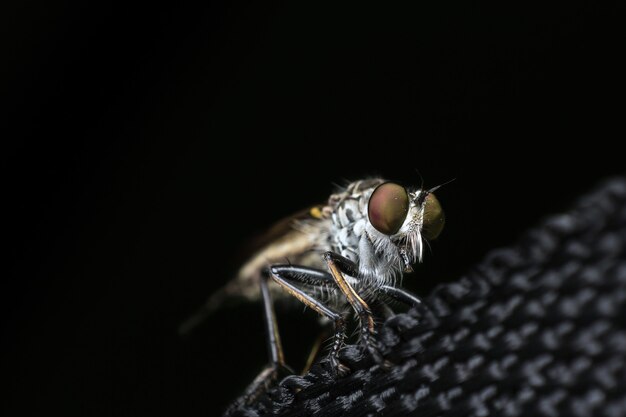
(538, 329)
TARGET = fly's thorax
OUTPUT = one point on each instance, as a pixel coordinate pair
(352, 236)
(349, 217)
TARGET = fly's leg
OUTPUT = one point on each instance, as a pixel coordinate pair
(401, 295)
(277, 366)
(274, 345)
(338, 265)
(406, 297)
(286, 276)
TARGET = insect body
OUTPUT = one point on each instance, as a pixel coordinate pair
(348, 251)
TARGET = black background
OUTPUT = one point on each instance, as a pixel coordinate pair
(137, 137)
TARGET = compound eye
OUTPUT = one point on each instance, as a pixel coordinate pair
(434, 219)
(388, 207)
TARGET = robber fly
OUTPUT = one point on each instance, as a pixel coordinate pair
(348, 251)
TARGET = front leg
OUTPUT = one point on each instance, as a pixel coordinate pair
(402, 295)
(338, 265)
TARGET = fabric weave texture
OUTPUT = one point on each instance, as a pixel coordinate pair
(536, 329)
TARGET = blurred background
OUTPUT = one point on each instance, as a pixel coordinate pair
(144, 144)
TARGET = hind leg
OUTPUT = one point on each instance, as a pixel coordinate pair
(277, 367)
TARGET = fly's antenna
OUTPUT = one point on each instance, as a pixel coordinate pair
(432, 190)
(419, 174)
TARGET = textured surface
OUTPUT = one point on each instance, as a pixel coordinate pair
(538, 329)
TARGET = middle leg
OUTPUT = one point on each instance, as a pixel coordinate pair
(286, 276)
